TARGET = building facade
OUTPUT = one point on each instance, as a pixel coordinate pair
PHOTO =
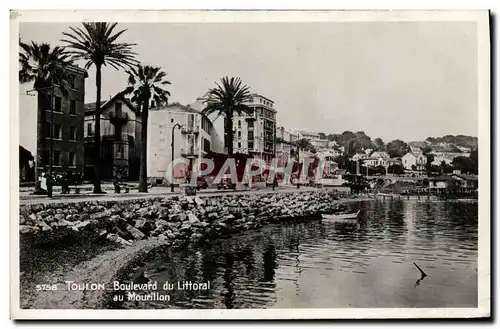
(255, 132)
(412, 161)
(67, 112)
(195, 138)
(121, 127)
(285, 145)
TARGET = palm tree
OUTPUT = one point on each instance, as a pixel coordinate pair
(97, 45)
(228, 100)
(44, 66)
(144, 82)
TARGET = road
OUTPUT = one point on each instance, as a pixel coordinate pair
(153, 192)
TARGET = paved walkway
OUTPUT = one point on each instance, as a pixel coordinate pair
(152, 192)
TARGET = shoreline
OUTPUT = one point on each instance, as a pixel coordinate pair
(108, 261)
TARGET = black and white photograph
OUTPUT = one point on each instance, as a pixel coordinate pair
(260, 164)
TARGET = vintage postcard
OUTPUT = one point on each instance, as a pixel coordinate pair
(250, 164)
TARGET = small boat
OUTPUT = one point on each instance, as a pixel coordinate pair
(342, 216)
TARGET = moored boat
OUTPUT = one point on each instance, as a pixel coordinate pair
(341, 216)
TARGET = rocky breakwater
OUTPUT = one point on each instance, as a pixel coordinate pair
(172, 220)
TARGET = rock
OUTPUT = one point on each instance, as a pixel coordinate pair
(117, 239)
(163, 213)
(60, 217)
(198, 201)
(25, 229)
(45, 227)
(22, 220)
(163, 239)
(192, 218)
(185, 226)
(139, 224)
(32, 217)
(114, 219)
(195, 237)
(81, 225)
(128, 215)
(138, 235)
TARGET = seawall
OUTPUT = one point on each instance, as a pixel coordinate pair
(172, 219)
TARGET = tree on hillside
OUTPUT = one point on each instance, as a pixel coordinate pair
(397, 148)
(353, 147)
(96, 44)
(379, 144)
(322, 135)
(304, 145)
(146, 83)
(426, 149)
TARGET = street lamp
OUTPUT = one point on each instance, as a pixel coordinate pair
(173, 128)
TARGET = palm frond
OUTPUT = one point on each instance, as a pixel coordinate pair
(96, 44)
(145, 81)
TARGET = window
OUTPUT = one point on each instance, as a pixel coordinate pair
(206, 145)
(89, 129)
(72, 133)
(239, 145)
(56, 129)
(72, 159)
(57, 105)
(239, 134)
(72, 82)
(239, 123)
(250, 145)
(172, 120)
(119, 151)
(118, 108)
(56, 158)
(72, 106)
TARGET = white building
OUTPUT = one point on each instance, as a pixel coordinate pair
(319, 143)
(255, 132)
(194, 139)
(412, 161)
(307, 135)
(439, 158)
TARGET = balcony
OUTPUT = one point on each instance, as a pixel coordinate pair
(189, 152)
(118, 117)
(190, 130)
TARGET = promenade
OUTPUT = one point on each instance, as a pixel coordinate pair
(26, 198)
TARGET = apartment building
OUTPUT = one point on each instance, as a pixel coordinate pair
(120, 127)
(255, 132)
(194, 136)
(67, 117)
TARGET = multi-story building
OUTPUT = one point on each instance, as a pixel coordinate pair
(308, 135)
(195, 138)
(67, 126)
(121, 127)
(285, 145)
(255, 132)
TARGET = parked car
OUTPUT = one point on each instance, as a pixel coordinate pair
(226, 183)
(201, 183)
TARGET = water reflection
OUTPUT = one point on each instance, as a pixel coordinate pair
(376, 261)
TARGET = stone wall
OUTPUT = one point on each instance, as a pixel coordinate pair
(172, 220)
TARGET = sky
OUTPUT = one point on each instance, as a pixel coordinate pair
(393, 80)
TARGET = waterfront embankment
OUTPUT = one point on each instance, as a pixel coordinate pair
(115, 234)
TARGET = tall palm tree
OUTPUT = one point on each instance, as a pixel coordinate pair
(44, 66)
(227, 100)
(145, 84)
(96, 44)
